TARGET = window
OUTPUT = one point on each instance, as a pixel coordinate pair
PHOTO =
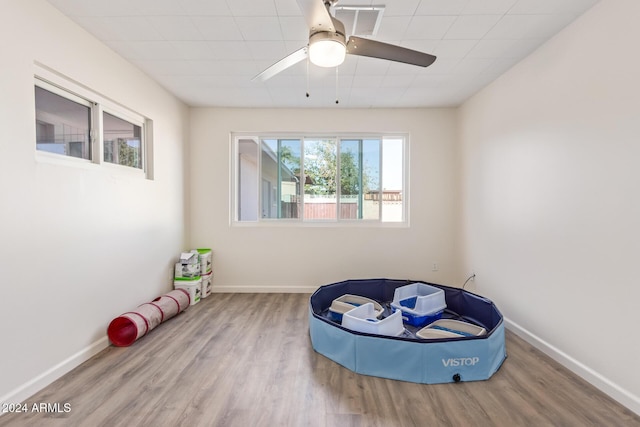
(122, 141)
(63, 124)
(319, 179)
(74, 122)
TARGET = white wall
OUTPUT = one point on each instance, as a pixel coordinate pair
(551, 196)
(78, 245)
(303, 258)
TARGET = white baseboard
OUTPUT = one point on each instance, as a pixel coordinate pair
(624, 397)
(41, 381)
(264, 289)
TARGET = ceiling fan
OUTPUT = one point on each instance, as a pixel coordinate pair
(328, 45)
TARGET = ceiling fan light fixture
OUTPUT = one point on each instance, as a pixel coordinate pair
(327, 49)
(328, 45)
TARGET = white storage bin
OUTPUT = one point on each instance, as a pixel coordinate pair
(449, 328)
(194, 287)
(207, 281)
(347, 302)
(206, 262)
(186, 270)
(363, 319)
(435, 334)
(419, 303)
(188, 258)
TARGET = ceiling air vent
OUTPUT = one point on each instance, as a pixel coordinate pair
(359, 20)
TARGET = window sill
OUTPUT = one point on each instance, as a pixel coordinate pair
(318, 224)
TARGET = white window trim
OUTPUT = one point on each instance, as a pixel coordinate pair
(63, 86)
(301, 222)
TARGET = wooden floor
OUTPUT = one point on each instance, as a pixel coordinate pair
(246, 360)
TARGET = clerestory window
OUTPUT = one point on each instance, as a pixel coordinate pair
(74, 122)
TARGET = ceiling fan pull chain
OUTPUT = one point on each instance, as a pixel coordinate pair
(337, 102)
(307, 76)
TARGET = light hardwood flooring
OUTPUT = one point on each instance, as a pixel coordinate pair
(246, 360)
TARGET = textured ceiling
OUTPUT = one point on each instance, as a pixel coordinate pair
(207, 51)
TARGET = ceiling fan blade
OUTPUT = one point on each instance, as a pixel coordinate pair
(317, 15)
(376, 49)
(283, 64)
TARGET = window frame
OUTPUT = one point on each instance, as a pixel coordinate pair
(338, 137)
(52, 81)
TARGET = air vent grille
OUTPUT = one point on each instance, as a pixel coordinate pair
(360, 20)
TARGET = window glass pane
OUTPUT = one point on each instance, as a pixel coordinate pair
(280, 178)
(290, 178)
(351, 179)
(371, 178)
(269, 178)
(122, 141)
(359, 179)
(320, 170)
(62, 125)
(392, 180)
(247, 180)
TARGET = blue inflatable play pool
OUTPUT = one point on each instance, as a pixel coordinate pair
(408, 355)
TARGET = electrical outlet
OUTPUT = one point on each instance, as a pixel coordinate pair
(434, 267)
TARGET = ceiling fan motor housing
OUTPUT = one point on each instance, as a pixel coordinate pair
(337, 34)
(333, 45)
(327, 35)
